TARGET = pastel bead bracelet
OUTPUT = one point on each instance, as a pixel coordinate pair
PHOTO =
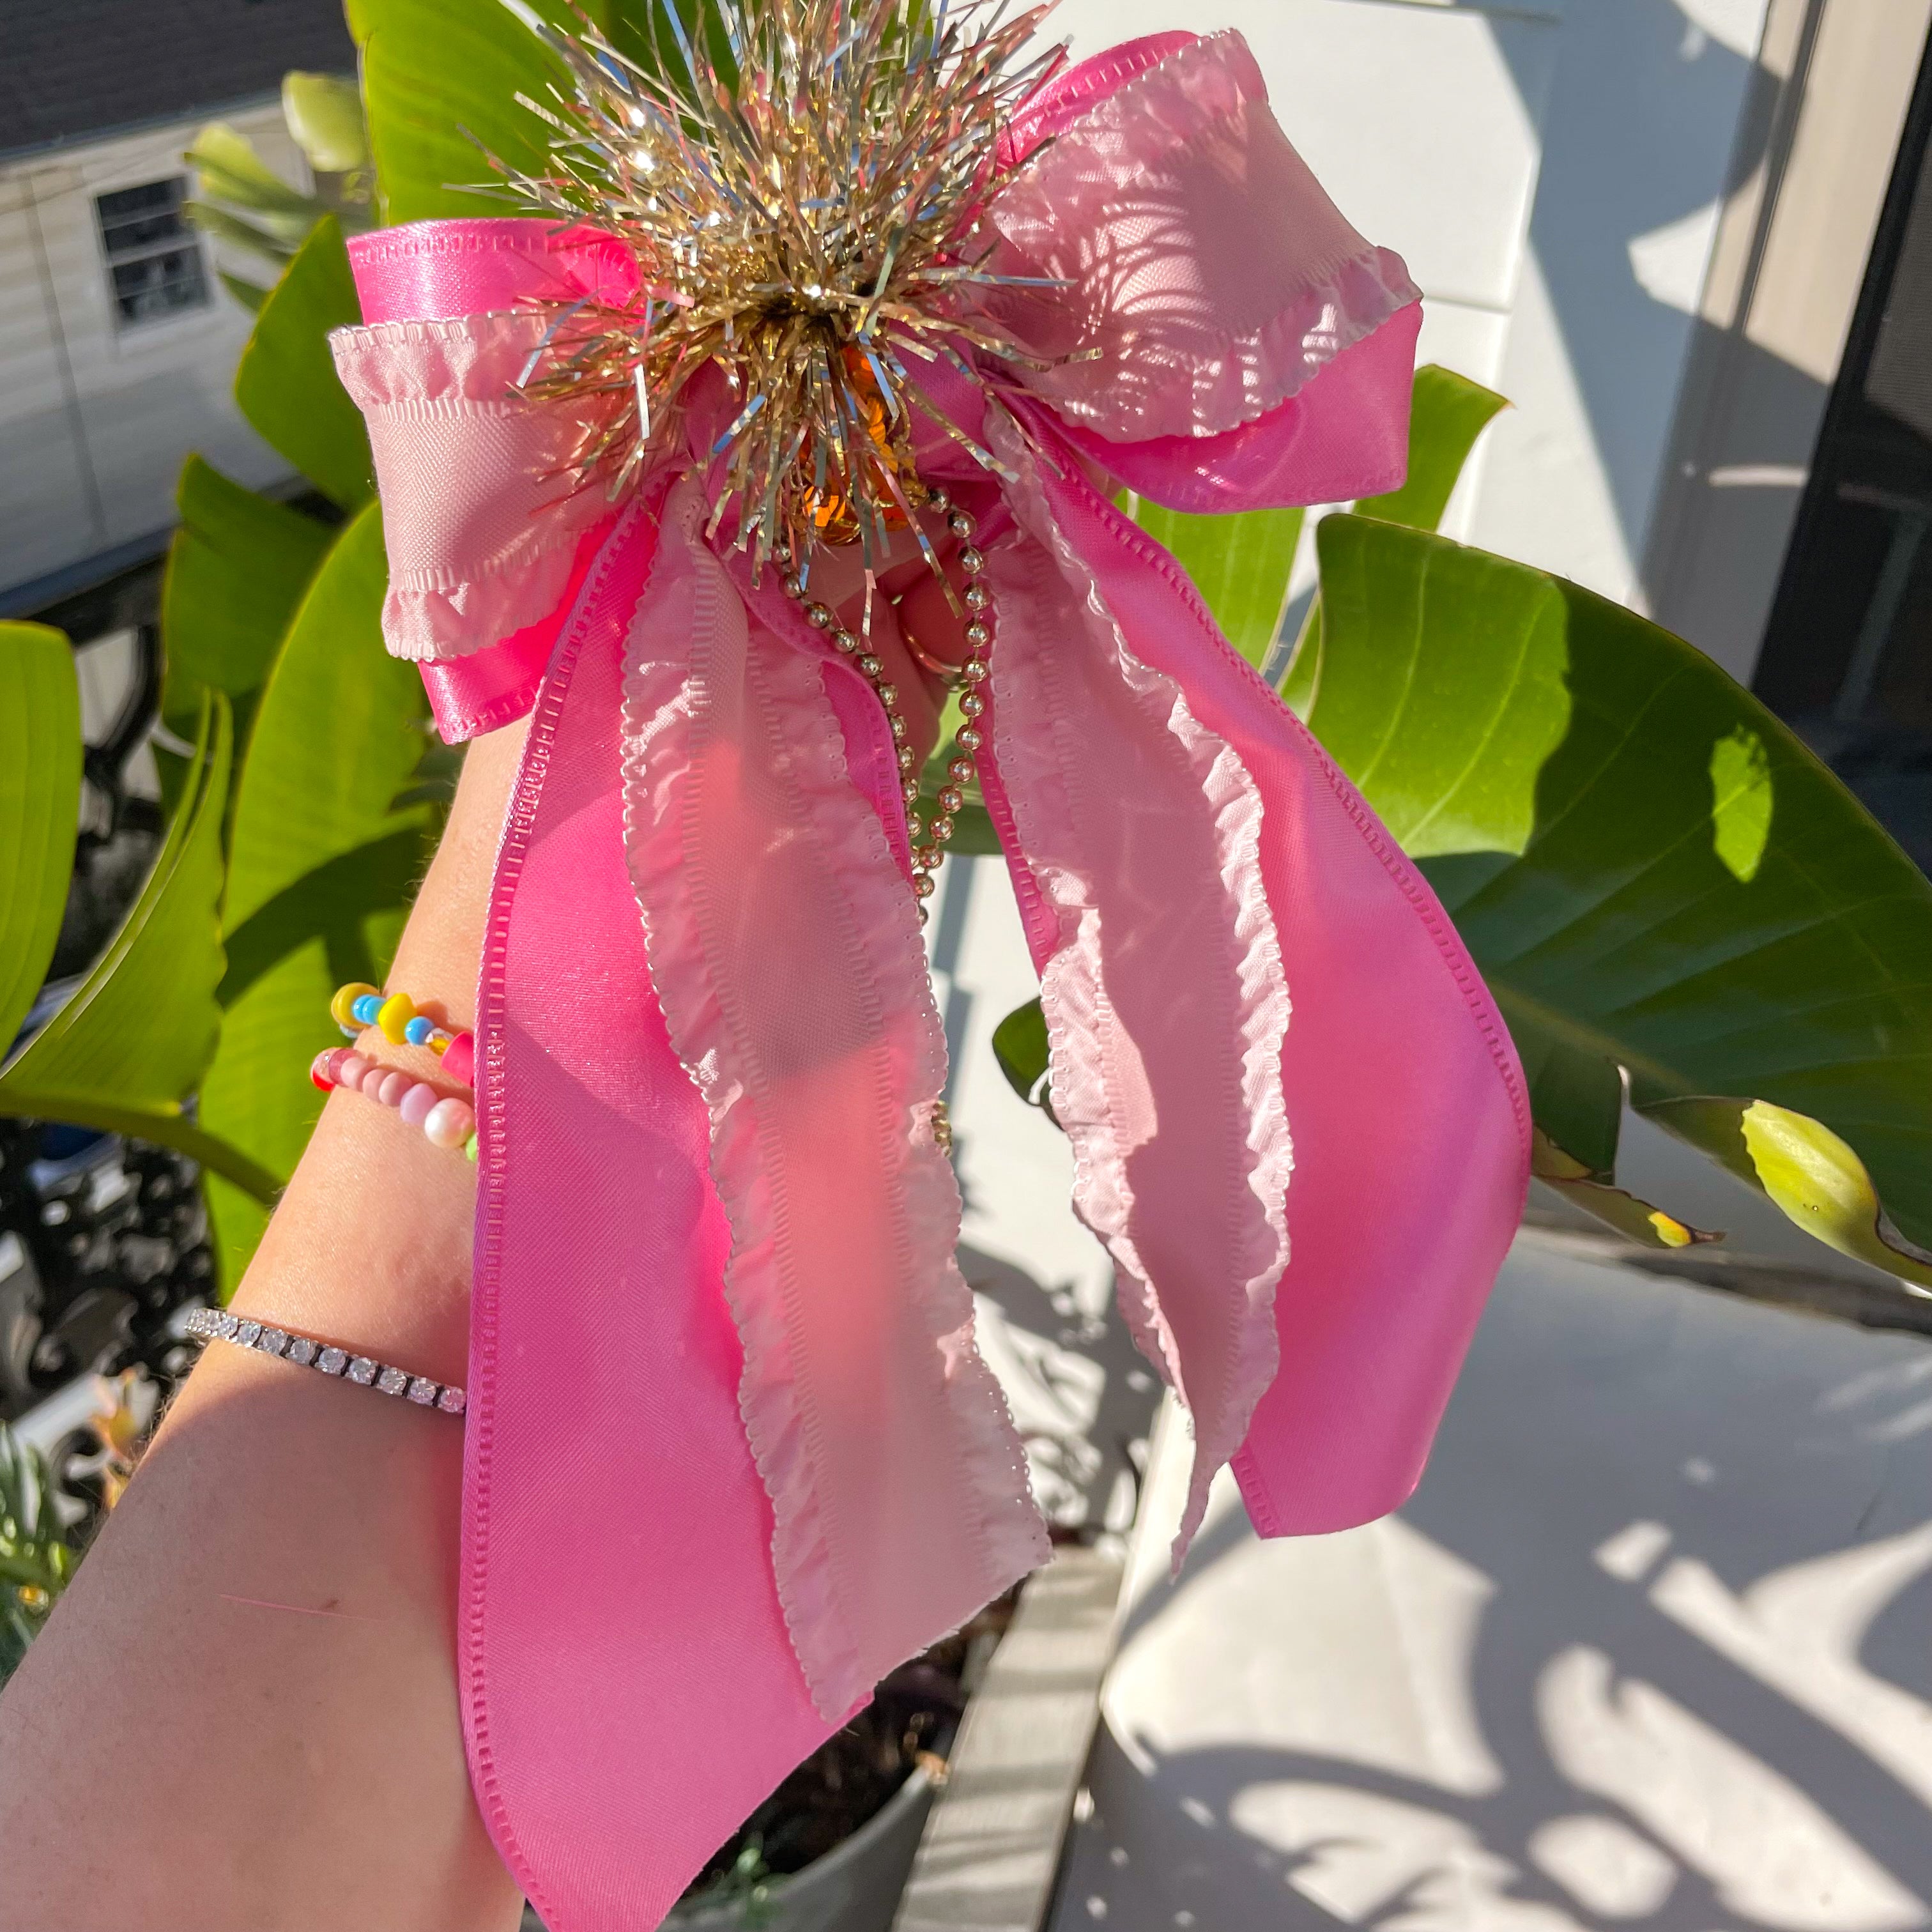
(445, 1122)
(356, 1006)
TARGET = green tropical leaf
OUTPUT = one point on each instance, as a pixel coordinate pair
(275, 241)
(285, 381)
(1447, 412)
(36, 1558)
(228, 169)
(323, 864)
(1653, 872)
(237, 569)
(1020, 1046)
(1579, 1108)
(1812, 1174)
(1636, 1220)
(125, 1050)
(1441, 703)
(39, 806)
(440, 84)
(1240, 564)
(251, 294)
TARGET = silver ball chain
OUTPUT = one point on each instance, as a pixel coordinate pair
(927, 848)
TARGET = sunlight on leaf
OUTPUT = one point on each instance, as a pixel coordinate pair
(1814, 1176)
(324, 112)
(1740, 802)
(1447, 414)
(440, 83)
(1443, 686)
(1598, 1197)
(1822, 1185)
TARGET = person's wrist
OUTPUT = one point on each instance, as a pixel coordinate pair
(370, 1246)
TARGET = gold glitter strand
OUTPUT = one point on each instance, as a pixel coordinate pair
(801, 227)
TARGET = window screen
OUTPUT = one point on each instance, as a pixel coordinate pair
(154, 261)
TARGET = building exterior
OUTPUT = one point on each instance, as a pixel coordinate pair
(117, 342)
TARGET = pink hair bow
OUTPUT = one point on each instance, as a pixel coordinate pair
(722, 1369)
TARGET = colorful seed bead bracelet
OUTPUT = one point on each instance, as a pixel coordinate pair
(446, 1121)
(356, 1006)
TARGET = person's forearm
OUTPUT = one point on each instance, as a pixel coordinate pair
(243, 1714)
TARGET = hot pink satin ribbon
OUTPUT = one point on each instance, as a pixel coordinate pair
(731, 1452)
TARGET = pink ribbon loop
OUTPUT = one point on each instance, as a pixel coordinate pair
(721, 1352)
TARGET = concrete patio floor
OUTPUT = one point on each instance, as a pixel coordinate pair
(1651, 1646)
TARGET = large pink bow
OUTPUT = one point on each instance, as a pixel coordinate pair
(732, 1453)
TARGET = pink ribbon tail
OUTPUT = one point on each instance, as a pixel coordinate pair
(605, 1433)
(1411, 1126)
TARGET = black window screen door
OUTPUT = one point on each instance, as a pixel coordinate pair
(1848, 655)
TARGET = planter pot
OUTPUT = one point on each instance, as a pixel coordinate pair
(854, 1888)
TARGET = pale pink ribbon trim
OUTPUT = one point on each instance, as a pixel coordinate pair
(788, 961)
(1211, 278)
(1165, 1002)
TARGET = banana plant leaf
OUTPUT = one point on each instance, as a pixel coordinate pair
(285, 381)
(1448, 412)
(126, 1050)
(1651, 872)
(274, 239)
(237, 569)
(440, 83)
(40, 806)
(251, 294)
(227, 167)
(322, 864)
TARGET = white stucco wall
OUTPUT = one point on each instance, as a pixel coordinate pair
(1551, 171)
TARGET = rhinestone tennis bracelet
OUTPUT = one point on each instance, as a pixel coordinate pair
(306, 1351)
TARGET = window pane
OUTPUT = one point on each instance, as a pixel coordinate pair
(127, 201)
(160, 285)
(152, 257)
(122, 236)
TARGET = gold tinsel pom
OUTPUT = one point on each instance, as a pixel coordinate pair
(802, 184)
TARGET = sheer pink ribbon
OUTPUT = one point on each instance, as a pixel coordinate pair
(732, 1453)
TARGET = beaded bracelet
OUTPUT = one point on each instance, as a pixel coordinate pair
(446, 1121)
(356, 1006)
